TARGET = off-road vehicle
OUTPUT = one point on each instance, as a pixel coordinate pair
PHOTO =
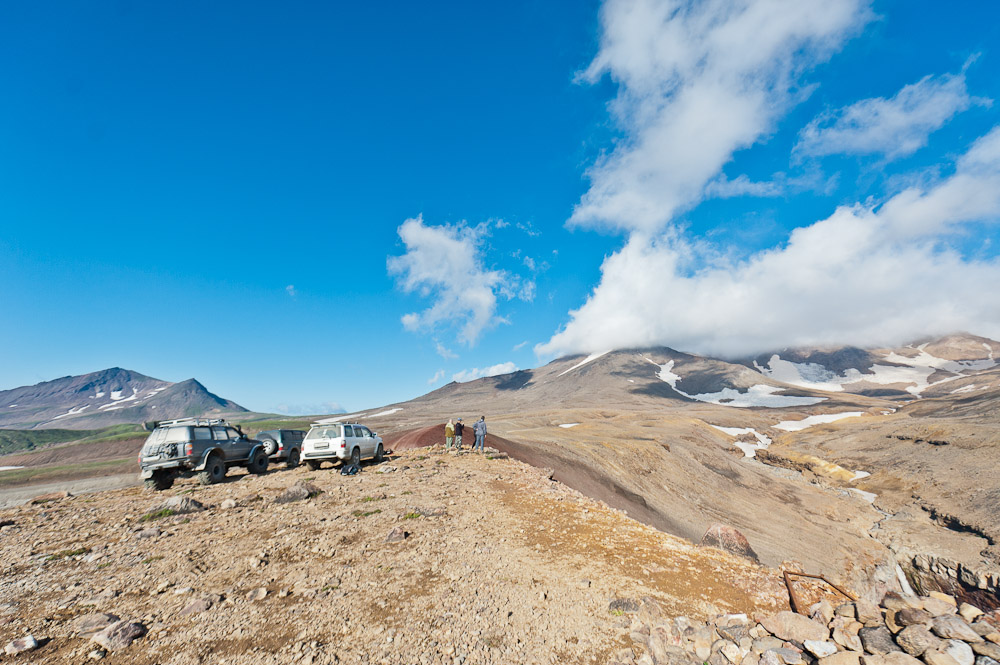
(340, 441)
(283, 445)
(205, 447)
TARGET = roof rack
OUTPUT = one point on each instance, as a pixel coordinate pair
(197, 422)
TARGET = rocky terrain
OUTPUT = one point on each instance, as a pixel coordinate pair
(426, 558)
(108, 397)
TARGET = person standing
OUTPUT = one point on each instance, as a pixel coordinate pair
(480, 429)
(459, 427)
(449, 434)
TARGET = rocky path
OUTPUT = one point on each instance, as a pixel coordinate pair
(427, 558)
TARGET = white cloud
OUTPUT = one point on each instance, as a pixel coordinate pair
(445, 263)
(866, 275)
(893, 127)
(444, 351)
(520, 345)
(698, 81)
(438, 375)
(290, 290)
(476, 373)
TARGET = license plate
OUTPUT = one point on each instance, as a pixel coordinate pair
(322, 446)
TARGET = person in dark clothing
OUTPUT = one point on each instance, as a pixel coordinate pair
(459, 426)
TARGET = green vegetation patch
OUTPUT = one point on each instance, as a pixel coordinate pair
(159, 514)
(361, 513)
(26, 440)
(411, 516)
(67, 553)
(40, 474)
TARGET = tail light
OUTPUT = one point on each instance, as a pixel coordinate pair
(188, 449)
(140, 458)
(281, 446)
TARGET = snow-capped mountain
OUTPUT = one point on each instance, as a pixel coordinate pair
(104, 398)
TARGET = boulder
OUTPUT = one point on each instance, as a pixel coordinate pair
(152, 532)
(626, 605)
(89, 625)
(228, 503)
(297, 492)
(896, 601)
(119, 635)
(868, 613)
(894, 658)
(916, 639)
(986, 660)
(937, 607)
(936, 657)
(822, 612)
(847, 610)
(199, 605)
(20, 645)
(960, 651)
(257, 594)
(841, 658)
(969, 612)
(650, 612)
(179, 505)
(986, 649)
(911, 616)
(820, 649)
(878, 640)
(789, 656)
(952, 626)
(795, 627)
(730, 539)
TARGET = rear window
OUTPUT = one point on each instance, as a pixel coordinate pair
(168, 435)
(327, 432)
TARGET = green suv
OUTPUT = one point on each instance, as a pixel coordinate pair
(197, 446)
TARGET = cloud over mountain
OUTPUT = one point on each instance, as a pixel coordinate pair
(866, 275)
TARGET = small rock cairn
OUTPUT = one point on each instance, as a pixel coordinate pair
(903, 630)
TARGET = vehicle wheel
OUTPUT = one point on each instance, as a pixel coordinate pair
(293, 459)
(160, 481)
(356, 456)
(214, 472)
(258, 463)
(379, 454)
(314, 464)
(270, 446)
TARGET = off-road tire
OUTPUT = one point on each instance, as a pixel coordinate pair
(214, 472)
(257, 463)
(270, 446)
(160, 481)
(293, 459)
(379, 454)
(314, 464)
(356, 456)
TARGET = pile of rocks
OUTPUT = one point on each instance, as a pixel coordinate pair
(904, 630)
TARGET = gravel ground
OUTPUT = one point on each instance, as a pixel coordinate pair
(499, 564)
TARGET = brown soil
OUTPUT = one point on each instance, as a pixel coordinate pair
(501, 565)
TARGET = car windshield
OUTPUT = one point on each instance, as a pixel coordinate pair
(325, 432)
(168, 435)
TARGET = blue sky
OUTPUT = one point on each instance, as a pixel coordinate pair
(223, 191)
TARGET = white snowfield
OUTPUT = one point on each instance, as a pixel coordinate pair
(797, 425)
(385, 413)
(749, 449)
(73, 411)
(10, 468)
(760, 395)
(591, 357)
(568, 425)
(915, 370)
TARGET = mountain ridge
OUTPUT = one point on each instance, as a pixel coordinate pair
(107, 397)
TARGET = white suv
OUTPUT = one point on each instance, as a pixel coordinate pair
(340, 441)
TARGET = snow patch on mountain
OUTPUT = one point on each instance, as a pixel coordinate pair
(760, 395)
(915, 370)
(749, 449)
(591, 357)
(797, 425)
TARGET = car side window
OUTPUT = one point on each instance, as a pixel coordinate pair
(202, 433)
(365, 432)
(233, 434)
(220, 434)
(348, 430)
